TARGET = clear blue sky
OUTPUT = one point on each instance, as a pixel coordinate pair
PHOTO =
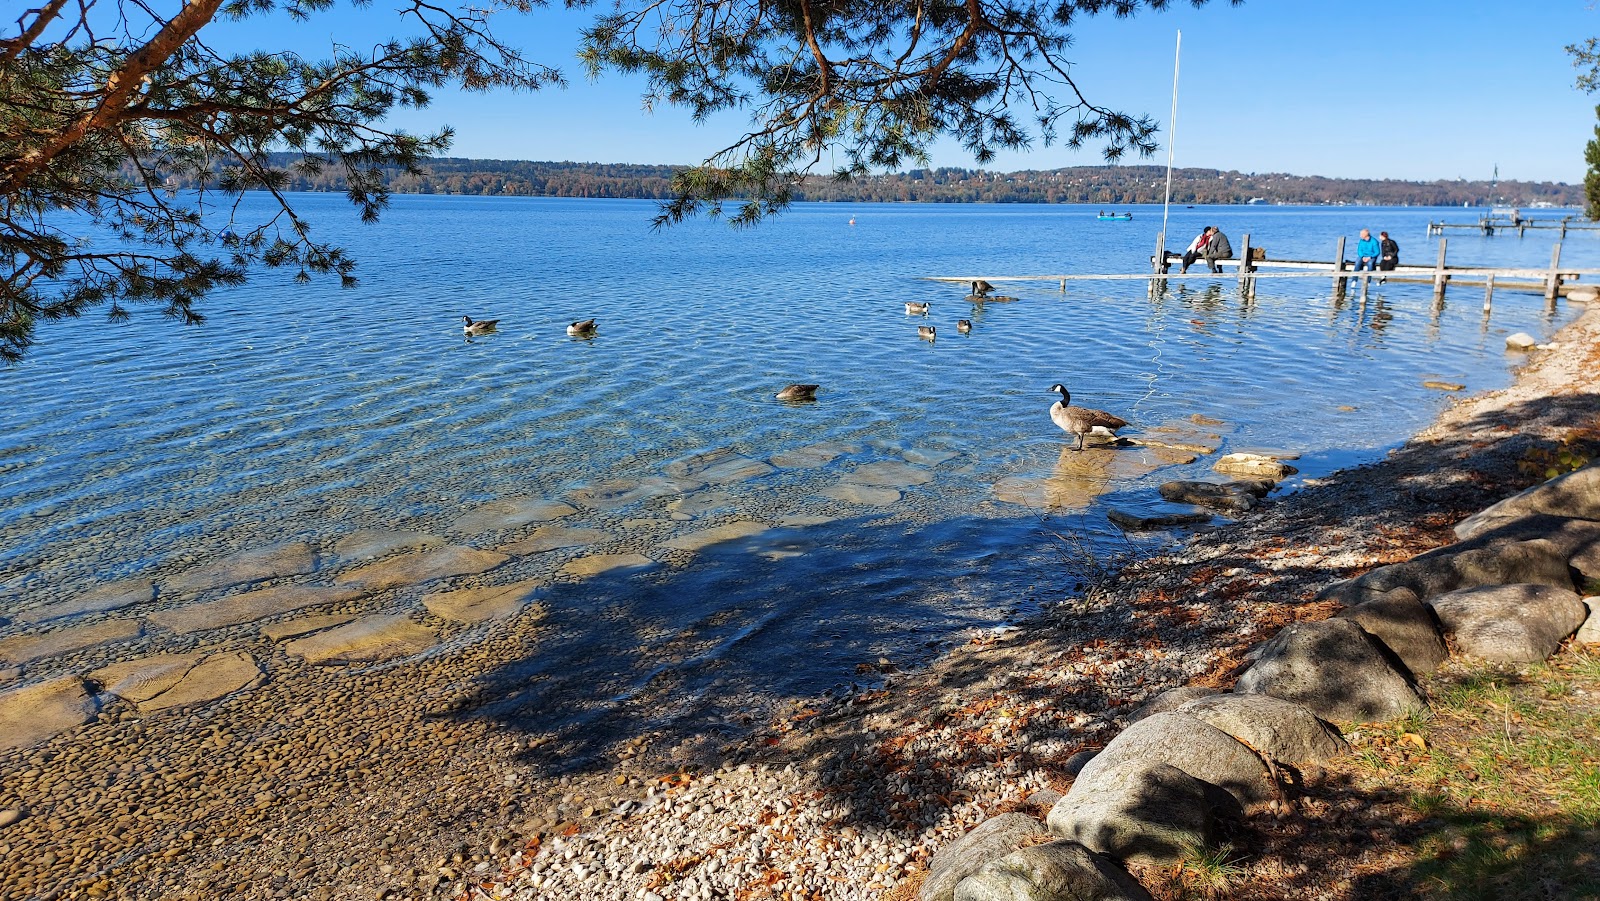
(1413, 89)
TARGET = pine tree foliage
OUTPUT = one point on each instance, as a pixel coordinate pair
(126, 139)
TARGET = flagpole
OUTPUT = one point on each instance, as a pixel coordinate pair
(1172, 137)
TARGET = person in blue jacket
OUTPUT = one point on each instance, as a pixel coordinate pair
(1367, 252)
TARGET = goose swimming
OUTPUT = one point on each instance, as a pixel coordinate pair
(480, 327)
(912, 307)
(582, 328)
(799, 392)
(1081, 421)
(963, 325)
(927, 331)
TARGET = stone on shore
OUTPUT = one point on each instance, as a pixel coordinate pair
(1170, 700)
(422, 566)
(889, 474)
(27, 648)
(812, 456)
(1589, 632)
(728, 532)
(33, 713)
(511, 513)
(476, 605)
(989, 841)
(1255, 466)
(1515, 624)
(370, 544)
(1582, 294)
(367, 639)
(1405, 626)
(1135, 522)
(1335, 668)
(1281, 731)
(294, 558)
(1140, 811)
(595, 564)
(99, 599)
(863, 495)
(1201, 750)
(1521, 341)
(305, 625)
(1058, 871)
(1465, 565)
(249, 607)
(165, 681)
(1229, 497)
(1575, 495)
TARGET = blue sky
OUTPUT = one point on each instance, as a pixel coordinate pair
(1413, 89)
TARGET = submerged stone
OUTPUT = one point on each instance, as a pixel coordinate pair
(369, 544)
(33, 713)
(165, 681)
(305, 625)
(423, 566)
(553, 537)
(249, 607)
(475, 605)
(27, 648)
(99, 599)
(367, 639)
(595, 564)
(294, 558)
(733, 531)
(864, 495)
(512, 513)
(615, 494)
(889, 474)
(812, 456)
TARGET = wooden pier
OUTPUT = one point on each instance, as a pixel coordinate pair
(1489, 225)
(1551, 282)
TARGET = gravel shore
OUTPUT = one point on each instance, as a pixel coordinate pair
(385, 784)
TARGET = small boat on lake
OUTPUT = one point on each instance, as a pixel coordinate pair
(1114, 217)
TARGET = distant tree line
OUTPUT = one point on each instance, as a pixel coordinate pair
(1096, 185)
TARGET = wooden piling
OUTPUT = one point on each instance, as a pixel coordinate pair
(1552, 285)
(1438, 270)
(1161, 253)
(1488, 293)
(1338, 266)
(1244, 263)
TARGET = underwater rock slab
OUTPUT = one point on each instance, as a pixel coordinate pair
(423, 566)
(889, 474)
(1081, 476)
(476, 605)
(305, 625)
(110, 596)
(165, 681)
(364, 640)
(733, 531)
(249, 607)
(615, 494)
(369, 544)
(295, 558)
(33, 713)
(595, 564)
(702, 502)
(864, 495)
(27, 648)
(552, 538)
(509, 514)
(812, 456)
(927, 456)
(738, 469)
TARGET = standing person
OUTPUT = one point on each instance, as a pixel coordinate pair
(1388, 252)
(1366, 252)
(1217, 248)
(1196, 248)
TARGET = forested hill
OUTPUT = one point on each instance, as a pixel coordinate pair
(1100, 185)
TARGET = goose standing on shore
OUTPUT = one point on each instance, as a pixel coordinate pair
(981, 288)
(1081, 421)
(582, 329)
(480, 327)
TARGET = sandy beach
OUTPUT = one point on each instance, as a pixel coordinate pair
(389, 783)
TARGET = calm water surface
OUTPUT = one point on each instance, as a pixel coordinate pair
(910, 500)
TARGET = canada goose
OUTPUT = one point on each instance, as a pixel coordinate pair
(981, 287)
(1080, 421)
(481, 327)
(583, 328)
(914, 307)
(799, 392)
(927, 331)
(963, 325)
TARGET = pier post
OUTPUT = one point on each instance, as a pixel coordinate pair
(1161, 253)
(1244, 263)
(1338, 267)
(1564, 221)
(1552, 285)
(1438, 270)
(1488, 293)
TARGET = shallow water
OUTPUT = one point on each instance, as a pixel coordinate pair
(786, 543)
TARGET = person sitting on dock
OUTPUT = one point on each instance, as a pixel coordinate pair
(1367, 252)
(1196, 248)
(1388, 252)
(1217, 248)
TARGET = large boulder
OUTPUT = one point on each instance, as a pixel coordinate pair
(1202, 751)
(1058, 871)
(1335, 668)
(1230, 497)
(1576, 495)
(989, 841)
(1405, 626)
(1170, 700)
(1141, 811)
(1513, 624)
(1589, 632)
(1279, 730)
(1538, 561)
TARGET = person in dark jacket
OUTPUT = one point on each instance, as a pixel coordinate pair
(1388, 252)
(1217, 248)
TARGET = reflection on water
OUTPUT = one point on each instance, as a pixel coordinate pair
(386, 489)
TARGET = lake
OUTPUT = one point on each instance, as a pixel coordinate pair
(692, 542)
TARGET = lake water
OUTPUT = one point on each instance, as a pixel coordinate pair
(717, 537)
